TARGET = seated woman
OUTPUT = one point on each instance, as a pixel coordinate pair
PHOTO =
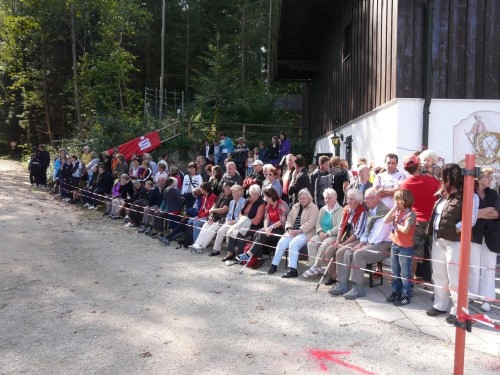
(103, 185)
(274, 226)
(253, 210)
(233, 214)
(272, 181)
(115, 193)
(207, 201)
(169, 210)
(327, 226)
(135, 203)
(154, 200)
(85, 192)
(192, 180)
(215, 173)
(352, 226)
(135, 164)
(299, 228)
(215, 220)
(178, 223)
(126, 190)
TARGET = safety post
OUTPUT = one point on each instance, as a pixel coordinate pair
(463, 273)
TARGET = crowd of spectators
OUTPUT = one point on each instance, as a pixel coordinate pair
(265, 201)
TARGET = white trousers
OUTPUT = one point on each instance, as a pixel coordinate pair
(444, 274)
(482, 280)
(207, 233)
(221, 234)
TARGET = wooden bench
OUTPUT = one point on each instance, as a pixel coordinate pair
(373, 275)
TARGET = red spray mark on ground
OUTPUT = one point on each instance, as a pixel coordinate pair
(324, 356)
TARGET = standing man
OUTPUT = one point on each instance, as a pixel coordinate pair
(152, 164)
(363, 182)
(226, 147)
(321, 179)
(206, 149)
(300, 179)
(44, 158)
(423, 188)
(287, 176)
(200, 160)
(240, 156)
(388, 182)
(340, 178)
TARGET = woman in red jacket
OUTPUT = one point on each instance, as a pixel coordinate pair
(207, 201)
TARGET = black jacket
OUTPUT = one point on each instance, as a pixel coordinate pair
(105, 182)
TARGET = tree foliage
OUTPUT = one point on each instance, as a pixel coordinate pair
(79, 68)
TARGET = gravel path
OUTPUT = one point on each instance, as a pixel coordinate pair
(80, 294)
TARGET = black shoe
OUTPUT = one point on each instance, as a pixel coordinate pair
(330, 281)
(435, 312)
(228, 257)
(291, 273)
(106, 213)
(451, 319)
(272, 270)
(402, 301)
(393, 297)
(214, 253)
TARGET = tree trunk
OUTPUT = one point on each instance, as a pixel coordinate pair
(45, 93)
(75, 71)
(162, 68)
(187, 47)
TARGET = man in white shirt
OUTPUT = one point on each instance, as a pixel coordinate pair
(389, 182)
(374, 246)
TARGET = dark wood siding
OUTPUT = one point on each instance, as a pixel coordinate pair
(465, 49)
(346, 88)
(388, 54)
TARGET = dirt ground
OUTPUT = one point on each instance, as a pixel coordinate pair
(81, 294)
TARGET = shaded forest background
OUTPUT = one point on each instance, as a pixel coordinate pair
(77, 70)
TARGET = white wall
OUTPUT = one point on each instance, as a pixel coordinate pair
(396, 127)
(446, 114)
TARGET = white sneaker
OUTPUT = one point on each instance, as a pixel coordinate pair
(195, 246)
(486, 306)
(128, 225)
(86, 205)
(92, 207)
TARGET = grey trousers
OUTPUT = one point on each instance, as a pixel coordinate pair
(356, 259)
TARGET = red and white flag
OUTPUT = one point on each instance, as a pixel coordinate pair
(139, 146)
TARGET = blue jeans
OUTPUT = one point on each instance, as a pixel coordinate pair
(197, 224)
(401, 268)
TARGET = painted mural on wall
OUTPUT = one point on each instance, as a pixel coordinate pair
(479, 134)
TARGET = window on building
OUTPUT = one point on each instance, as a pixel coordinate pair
(348, 150)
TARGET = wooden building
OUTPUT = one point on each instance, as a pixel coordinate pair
(390, 75)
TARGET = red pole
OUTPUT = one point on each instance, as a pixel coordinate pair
(463, 273)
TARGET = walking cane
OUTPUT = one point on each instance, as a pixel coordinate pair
(324, 273)
(246, 264)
